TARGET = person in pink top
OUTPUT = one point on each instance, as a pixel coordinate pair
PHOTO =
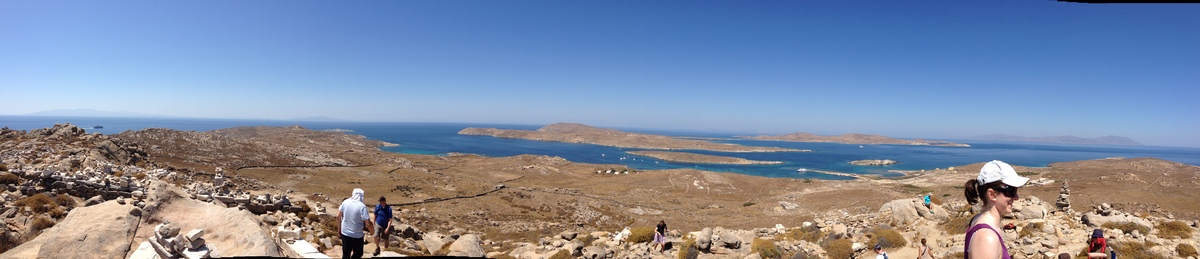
(996, 187)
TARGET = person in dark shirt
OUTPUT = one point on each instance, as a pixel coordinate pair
(383, 220)
(660, 236)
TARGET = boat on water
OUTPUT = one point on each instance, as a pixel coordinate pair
(802, 170)
(97, 127)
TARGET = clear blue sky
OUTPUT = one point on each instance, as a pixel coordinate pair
(933, 69)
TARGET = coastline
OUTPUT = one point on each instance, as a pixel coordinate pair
(684, 157)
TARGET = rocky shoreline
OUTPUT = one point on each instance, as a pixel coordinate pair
(579, 133)
(684, 157)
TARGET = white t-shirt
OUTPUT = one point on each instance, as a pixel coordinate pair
(354, 212)
(881, 255)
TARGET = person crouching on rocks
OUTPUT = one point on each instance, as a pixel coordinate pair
(352, 217)
(383, 219)
(997, 187)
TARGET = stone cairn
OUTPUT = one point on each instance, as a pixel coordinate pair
(169, 243)
(1064, 199)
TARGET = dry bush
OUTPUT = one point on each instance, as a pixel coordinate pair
(57, 213)
(1172, 229)
(3, 167)
(1186, 250)
(40, 203)
(65, 201)
(1027, 231)
(8, 241)
(1135, 250)
(562, 254)
(139, 176)
(688, 250)
(955, 255)
(889, 238)
(41, 222)
(118, 173)
(1127, 227)
(765, 248)
(839, 249)
(935, 200)
(445, 250)
(956, 225)
(640, 235)
(500, 256)
(586, 239)
(7, 178)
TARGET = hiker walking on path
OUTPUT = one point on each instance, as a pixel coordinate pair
(352, 217)
(383, 219)
(880, 252)
(996, 187)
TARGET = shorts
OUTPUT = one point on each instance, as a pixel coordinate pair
(659, 238)
(379, 231)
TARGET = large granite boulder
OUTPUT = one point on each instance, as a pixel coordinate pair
(704, 241)
(730, 240)
(906, 211)
(467, 245)
(102, 231)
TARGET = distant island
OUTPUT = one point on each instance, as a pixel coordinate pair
(874, 162)
(579, 133)
(685, 157)
(1105, 140)
(855, 139)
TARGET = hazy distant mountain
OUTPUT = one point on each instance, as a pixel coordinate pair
(93, 113)
(1105, 140)
(317, 119)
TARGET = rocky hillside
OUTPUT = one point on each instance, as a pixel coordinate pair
(579, 133)
(1105, 140)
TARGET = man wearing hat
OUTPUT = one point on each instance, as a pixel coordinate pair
(352, 218)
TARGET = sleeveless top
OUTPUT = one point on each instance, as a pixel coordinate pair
(977, 227)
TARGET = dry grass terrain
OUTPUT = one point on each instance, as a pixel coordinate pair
(545, 195)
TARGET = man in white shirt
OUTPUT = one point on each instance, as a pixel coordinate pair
(879, 250)
(352, 218)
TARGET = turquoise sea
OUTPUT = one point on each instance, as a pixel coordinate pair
(443, 138)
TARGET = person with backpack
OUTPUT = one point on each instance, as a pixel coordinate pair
(996, 186)
(383, 220)
(880, 252)
(1097, 246)
(925, 251)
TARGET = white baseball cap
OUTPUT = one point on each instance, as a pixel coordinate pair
(1000, 171)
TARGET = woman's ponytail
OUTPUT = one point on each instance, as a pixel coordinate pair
(971, 191)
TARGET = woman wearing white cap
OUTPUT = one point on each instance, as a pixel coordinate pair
(997, 187)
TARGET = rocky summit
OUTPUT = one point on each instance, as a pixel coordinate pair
(274, 191)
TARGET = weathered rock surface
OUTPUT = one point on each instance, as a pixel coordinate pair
(100, 231)
(467, 245)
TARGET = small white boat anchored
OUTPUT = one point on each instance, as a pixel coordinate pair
(802, 170)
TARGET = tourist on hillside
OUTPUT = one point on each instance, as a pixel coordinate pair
(924, 251)
(880, 254)
(1097, 246)
(929, 202)
(352, 217)
(383, 219)
(660, 236)
(996, 186)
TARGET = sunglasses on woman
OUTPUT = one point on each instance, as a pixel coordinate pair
(1009, 191)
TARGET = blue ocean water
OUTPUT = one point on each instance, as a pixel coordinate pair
(443, 138)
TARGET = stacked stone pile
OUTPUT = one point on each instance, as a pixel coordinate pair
(1064, 199)
(167, 242)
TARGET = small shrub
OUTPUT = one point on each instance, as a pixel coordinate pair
(7, 178)
(688, 250)
(1133, 250)
(57, 213)
(640, 235)
(562, 254)
(839, 249)
(1174, 229)
(500, 256)
(1027, 231)
(8, 242)
(586, 239)
(1027, 174)
(765, 249)
(747, 204)
(888, 237)
(790, 234)
(935, 200)
(445, 250)
(40, 203)
(957, 225)
(1186, 250)
(65, 201)
(139, 176)
(42, 222)
(118, 173)
(807, 180)
(3, 167)
(955, 255)
(1127, 227)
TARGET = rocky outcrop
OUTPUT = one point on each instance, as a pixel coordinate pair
(103, 231)
(907, 211)
(856, 139)
(467, 245)
(699, 158)
(874, 162)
